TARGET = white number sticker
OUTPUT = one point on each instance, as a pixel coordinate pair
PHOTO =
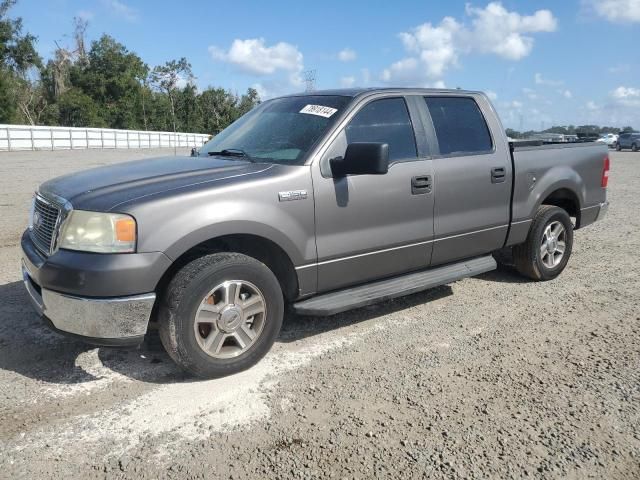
(319, 110)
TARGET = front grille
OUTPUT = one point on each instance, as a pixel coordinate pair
(45, 218)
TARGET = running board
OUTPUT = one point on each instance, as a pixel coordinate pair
(360, 296)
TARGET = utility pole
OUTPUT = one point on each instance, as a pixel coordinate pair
(310, 80)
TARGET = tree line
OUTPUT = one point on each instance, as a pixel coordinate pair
(105, 85)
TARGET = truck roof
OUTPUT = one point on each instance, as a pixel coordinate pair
(354, 92)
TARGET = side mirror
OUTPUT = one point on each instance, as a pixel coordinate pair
(362, 158)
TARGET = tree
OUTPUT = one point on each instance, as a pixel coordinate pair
(77, 109)
(167, 77)
(105, 85)
(18, 57)
(17, 51)
(112, 77)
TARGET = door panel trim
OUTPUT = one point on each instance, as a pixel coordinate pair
(374, 252)
(359, 255)
(471, 233)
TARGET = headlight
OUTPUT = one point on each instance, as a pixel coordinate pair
(98, 232)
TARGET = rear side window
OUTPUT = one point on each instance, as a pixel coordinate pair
(459, 125)
(385, 121)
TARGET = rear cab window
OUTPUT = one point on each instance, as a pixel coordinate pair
(459, 125)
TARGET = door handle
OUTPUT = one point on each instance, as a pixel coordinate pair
(498, 174)
(421, 184)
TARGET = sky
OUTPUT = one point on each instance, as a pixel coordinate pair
(542, 62)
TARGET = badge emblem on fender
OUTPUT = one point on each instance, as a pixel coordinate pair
(292, 195)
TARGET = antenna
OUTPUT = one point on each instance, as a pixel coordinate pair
(310, 80)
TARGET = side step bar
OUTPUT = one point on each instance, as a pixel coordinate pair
(362, 295)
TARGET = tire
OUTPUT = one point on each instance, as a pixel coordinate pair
(197, 303)
(618, 147)
(531, 259)
(634, 147)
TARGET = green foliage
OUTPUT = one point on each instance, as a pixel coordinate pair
(77, 109)
(106, 86)
(17, 57)
(17, 51)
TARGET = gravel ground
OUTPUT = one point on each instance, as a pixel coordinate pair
(490, 377)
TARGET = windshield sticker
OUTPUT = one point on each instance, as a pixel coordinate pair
(319, 110)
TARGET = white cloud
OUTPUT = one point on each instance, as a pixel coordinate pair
(626, 96)
(347, 55)
(255, 57)
(530, 94)
(433, 49)
(591, 105)
(366, 76)
(540, 80)
(566, 93)
(621, 108)
(85, 15)
(348, 82)
(618, 11)
(121, 10)
(492, 95)
(402, 71)
(626, 92)
(619, 69)
(496, 30)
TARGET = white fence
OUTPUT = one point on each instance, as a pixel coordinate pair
(27, 137)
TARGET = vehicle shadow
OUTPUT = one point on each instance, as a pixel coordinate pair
(504, 274)
(29, 348)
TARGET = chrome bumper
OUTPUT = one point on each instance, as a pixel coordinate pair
(604, 207)
(106, 321)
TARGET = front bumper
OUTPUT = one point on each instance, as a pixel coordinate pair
(120, 321)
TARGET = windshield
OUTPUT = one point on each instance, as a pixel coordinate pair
(282, 130)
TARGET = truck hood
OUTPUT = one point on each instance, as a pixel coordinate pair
(104, 188)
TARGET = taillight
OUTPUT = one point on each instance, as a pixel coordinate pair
(605, 172)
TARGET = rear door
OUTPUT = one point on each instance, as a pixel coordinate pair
(472, 177)
(374, 226)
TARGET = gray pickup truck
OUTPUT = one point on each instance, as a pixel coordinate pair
(325, 202)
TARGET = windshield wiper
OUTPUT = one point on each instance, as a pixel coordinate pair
(233, 152)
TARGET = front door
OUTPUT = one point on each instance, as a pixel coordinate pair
(374, 226)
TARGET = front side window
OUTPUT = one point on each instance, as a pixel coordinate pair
(459, 124)
(385, 121)
(282, 130)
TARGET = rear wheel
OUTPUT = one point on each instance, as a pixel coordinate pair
(548, 247)
(634, 147)
(618, 147)
(221, 314)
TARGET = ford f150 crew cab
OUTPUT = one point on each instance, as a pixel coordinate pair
(325, 201)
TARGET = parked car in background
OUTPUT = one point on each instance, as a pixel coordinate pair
(629, 140)
(608, 139)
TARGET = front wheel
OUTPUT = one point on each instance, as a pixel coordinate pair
(547, 249)
(220, 314)
(618, 147)
(634, 147)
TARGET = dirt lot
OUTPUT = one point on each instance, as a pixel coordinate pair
(491, 377)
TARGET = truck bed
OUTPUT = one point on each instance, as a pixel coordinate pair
(538, 168)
